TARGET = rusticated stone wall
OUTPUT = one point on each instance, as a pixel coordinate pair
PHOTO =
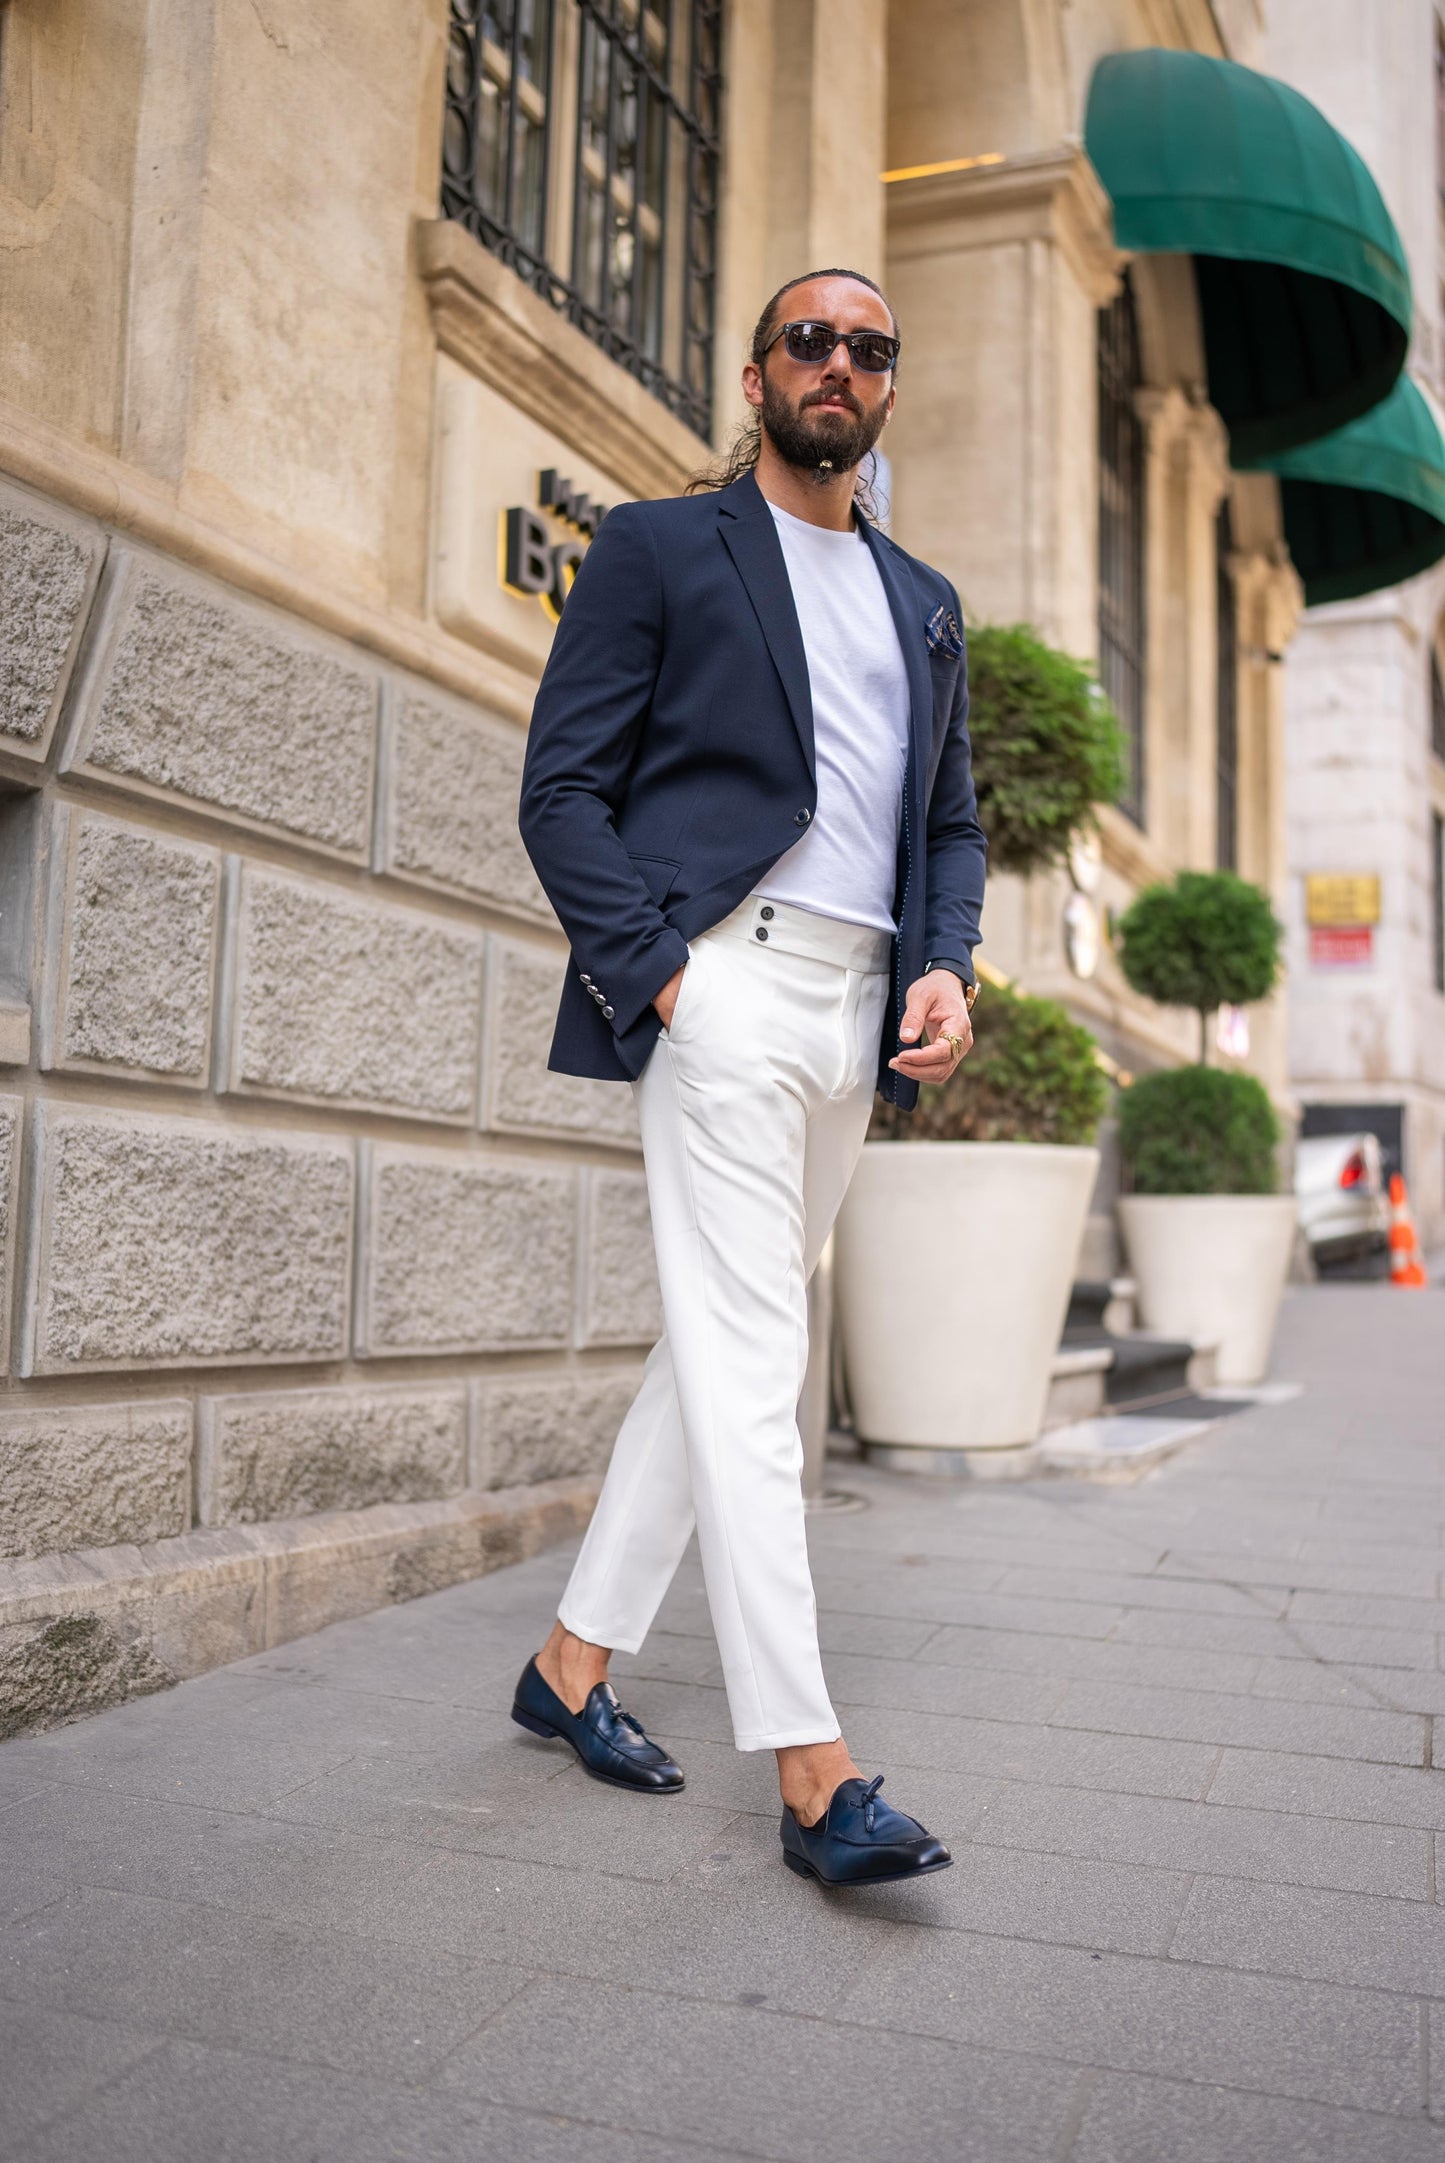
(316, 1288)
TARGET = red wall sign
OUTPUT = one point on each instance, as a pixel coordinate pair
(1342, 946)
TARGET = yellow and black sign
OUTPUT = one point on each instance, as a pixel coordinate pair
(1341, 898)
(533, 565)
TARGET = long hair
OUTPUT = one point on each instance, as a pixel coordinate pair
(741, 455)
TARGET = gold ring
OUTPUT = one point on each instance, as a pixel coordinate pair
(956, 1045)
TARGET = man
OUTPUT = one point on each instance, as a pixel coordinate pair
(747, 794)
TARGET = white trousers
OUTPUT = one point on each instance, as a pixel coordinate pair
(753, 1109)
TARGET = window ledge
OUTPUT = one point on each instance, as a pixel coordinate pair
(488, 320)
(1128, 848)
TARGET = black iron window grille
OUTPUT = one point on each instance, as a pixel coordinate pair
(1437, 708)
(1122, 628)
(1226, 700)
(581, 145)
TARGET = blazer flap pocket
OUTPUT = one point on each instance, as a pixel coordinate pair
(657, 873)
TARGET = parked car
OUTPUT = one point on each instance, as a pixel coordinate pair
(1344, 1209)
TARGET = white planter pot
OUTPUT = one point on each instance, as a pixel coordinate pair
(1211, 1268)
(951, 1275)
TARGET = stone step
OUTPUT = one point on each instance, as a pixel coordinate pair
(1148, 1369)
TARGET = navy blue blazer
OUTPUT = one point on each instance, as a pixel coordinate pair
(670, 763)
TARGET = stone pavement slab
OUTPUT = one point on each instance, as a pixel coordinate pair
(363, 2004)
(693, 2070)
(1159, 2121)
(187, 2101)
(330, 1906)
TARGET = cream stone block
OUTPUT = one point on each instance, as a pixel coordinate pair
(464, 1253)
(291, 1453)
(520, 1095)
(173, 1242)
(136, 951)
(49, 565)
(450, 805)
(197, 695)
(14, 1033)
(317, 115)
(340, 999)
(11, 1112)
(93, 1475)
(531, 1427)
(621, 1301)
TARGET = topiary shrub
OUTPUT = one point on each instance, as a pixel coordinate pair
(1030, 1077)
(1199, 1130)
(1208, 940)
(1046, 746)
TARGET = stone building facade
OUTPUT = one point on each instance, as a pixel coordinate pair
(1365, 681)
(329, 332)
(1004, 267)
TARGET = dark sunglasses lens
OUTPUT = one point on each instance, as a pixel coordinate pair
(810, 343)
(874, 354)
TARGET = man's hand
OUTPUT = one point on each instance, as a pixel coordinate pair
(666, 999)
(935, 1011)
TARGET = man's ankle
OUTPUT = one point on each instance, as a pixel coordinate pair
(572, 1667)
(810, 1774)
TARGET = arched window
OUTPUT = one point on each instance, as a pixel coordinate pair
(1226, 735)
(1121, 536)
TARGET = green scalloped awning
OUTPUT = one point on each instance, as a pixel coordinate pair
(1303, 285)
(1365, 507)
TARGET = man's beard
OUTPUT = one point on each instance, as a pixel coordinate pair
(826, 443)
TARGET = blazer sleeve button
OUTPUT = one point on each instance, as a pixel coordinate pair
(802, 817)
(607, 1013)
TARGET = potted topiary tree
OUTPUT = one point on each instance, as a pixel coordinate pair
(959, 1234)
(1208, 1234)
(1046, 747)
(963, 1221)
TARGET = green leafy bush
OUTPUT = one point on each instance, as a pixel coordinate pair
(1208, 940)
(1046, 746)
(1199, 1130)
(1030, 1077)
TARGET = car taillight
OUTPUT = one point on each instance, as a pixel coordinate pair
(1353, 1170)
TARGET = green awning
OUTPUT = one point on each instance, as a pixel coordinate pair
(1365, 507)
(1304, 289)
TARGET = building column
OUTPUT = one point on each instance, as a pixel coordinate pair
(1187, 473)
(997, 270)
(827, 142)
(804, 154)
(1268, 603)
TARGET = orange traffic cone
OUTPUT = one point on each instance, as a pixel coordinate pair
(1407, 1264)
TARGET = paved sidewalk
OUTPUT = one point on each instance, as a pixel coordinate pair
(330, 1904)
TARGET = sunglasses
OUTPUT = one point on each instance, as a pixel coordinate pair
(874, 351)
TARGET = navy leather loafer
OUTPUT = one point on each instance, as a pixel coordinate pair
(860, 1841)
(609, 1741)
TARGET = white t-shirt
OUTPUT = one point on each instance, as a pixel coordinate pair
(845, 865)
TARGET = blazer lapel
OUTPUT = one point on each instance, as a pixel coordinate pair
(904, 601)
(752, 541)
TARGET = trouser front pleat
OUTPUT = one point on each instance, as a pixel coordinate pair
(753, 1108)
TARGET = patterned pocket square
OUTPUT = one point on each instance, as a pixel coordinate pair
(944, 634)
